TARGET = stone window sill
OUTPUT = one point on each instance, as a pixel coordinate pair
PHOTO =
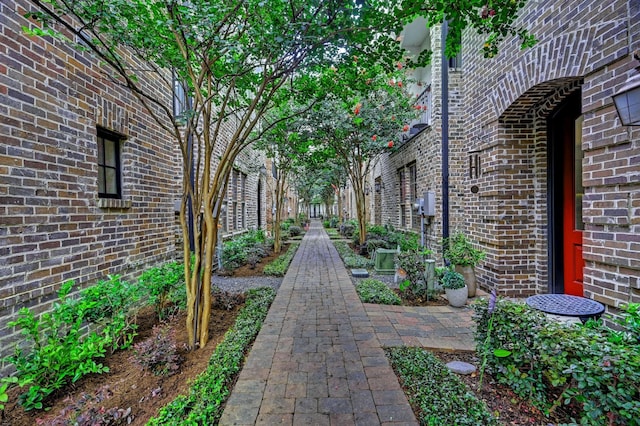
(113, 203)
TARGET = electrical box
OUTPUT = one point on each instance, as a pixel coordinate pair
(429, 204)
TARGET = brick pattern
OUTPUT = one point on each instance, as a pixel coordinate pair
(425, 151)
(500, 117)
(53, 226)
(511, 221)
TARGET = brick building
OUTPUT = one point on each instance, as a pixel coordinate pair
(541, 173)
(88, 181)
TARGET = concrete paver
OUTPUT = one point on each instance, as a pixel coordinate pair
(318, 358)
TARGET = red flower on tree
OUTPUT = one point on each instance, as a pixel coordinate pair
(390, 144)
(374, 137)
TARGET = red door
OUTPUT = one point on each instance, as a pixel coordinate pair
(572, 225)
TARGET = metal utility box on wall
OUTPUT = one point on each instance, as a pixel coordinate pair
(385, 261)
(429, 204)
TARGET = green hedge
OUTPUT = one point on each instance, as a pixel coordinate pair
(203, 405)
(351, 259)
(592, 368)
(374, 291)
(279, 266)
(441, 397)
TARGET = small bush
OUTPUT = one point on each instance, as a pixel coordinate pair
(441, 397)
(207, 395)
(294, 231)
(161, 282)
(374, 291)
(279, 266)
(56, 352)
(236, 252)
(347, 229)
(586, 367)
(88, 410)
(158, 353)
(373, 245)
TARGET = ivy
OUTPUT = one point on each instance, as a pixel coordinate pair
(585, 367)
(375, 291)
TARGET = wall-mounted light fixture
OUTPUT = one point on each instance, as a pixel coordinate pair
(627, 100)
(377, 186)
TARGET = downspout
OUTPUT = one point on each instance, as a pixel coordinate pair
(445, 133)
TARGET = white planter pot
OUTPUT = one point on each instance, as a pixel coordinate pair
(457, 297)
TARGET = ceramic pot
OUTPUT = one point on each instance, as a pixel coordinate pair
(469, 274)
(457, 297)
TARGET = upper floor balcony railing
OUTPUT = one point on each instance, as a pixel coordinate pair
(423, 104)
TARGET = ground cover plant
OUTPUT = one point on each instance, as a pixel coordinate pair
(350, 258)
(57, 350)
(438, 396)
(279, 266)
(374, 291)
(590, 372)
(204, 402)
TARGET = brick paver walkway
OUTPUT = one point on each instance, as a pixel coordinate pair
(318, 359)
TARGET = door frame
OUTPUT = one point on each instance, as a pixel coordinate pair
(556, 162)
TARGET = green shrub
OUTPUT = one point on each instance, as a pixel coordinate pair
(294, 231)
(351, 259)
(326, 223)
(551, 363)
(413, 264)
(236, 252)
(161, 282)
(203, 405)
(374, 291)
(55, 352)
(374, 244)
(439, 394)
(279, 266)
(347, 229)
(284, 226)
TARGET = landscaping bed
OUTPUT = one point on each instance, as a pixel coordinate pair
(127, 384)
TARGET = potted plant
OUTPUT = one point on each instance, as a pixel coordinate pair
(455, 287)
(460, 252)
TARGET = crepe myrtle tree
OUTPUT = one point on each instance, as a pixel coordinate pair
(232, 59)
(360, 120)
(283, 144)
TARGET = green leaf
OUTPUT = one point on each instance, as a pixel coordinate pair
(501, 353)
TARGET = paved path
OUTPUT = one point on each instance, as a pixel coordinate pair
(318, 359)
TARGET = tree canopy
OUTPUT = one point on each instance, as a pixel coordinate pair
(234, 60)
